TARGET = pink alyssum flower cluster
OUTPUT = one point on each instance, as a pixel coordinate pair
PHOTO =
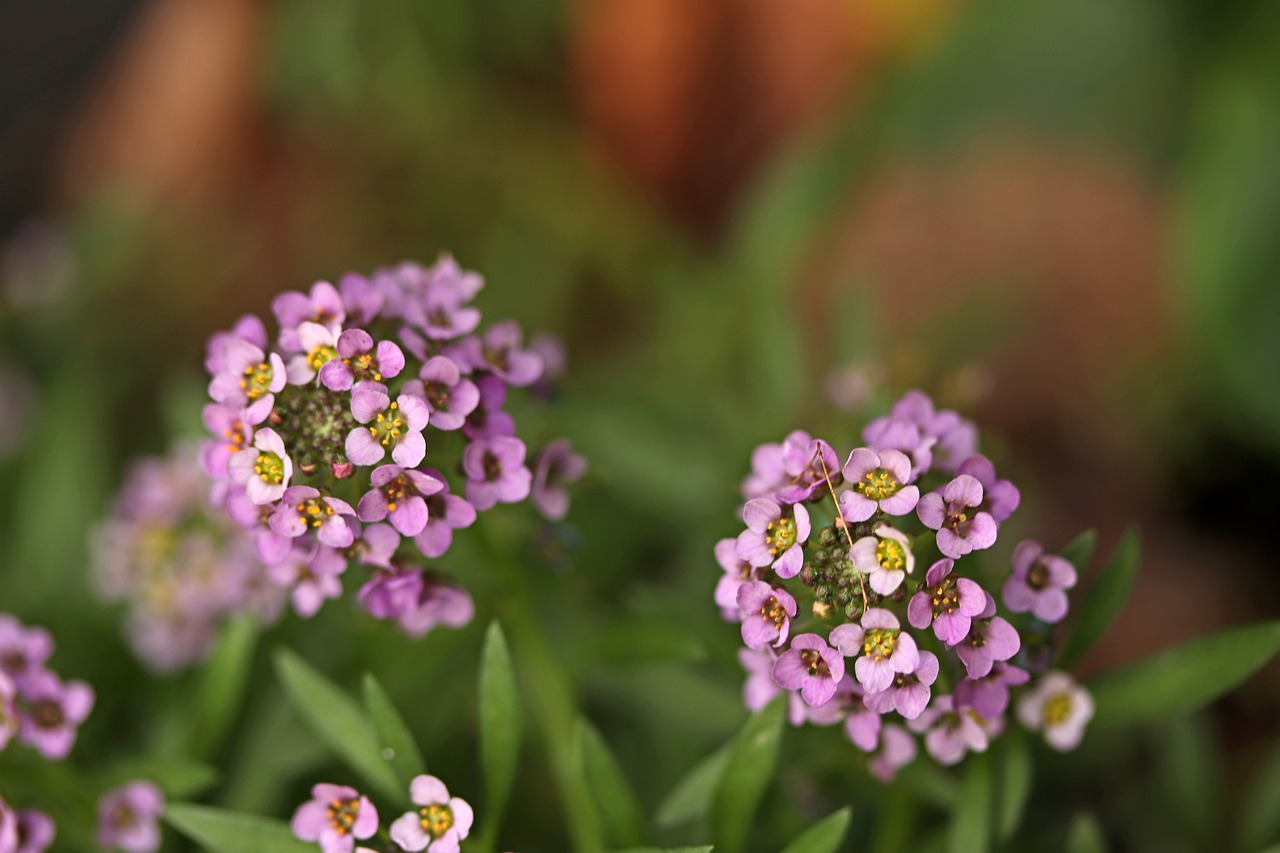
(823, 582)
(337, 816)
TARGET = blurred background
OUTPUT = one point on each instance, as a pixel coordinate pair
(743, 217)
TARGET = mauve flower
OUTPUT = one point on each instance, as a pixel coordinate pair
(319, 345)
(989, 695)
(1039, 582)
(496, 471)
(440, 823)
(954, 514)
(774, 536)
(948, 601)
(248, 374)
(312, 575)
(809, 466)
(759, 688)
(336, 816)
(361, 298)
(401, 495)
(488, 420)
(263, 469)
(863, 726)
(554, 466)
(499, 352)
(949, 733)
(8, 828)
(323, 305)
(440, 308)
(737, 571)
(766, 614)
(445, 513)
(438, 603)
(1059, 707)
(23, 650)
(53, 712)
(360, 360)
(248, 328)
(908, 693)
(886, 650)
(390, 424)
(36, 832)
(900, 434)
(375, 545)
(450, 396)
(8, 710)
(392, 593)
(1002, 496)
(897, 750)
(303, 509)
(990, 639)
(768, 473)
(885, 558)
(810, 666)
(848, 695)
(879, 482)
(953, 437)
(232, 428)
(129, 817)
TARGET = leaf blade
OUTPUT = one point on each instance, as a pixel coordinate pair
(500, 728)
(620, 813)
(752, 758)
(1016, 774)
(690, 799)
(392, 732)
(824, 836)
(222, 831)
(1103, 601)
(970, 827)
(223, 684)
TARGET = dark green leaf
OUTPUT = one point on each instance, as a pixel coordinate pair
(398, 745)
(222, 685)
(1260, 813)
(690, 799)
(1079, 550)
(338, 721)
(1015, 784)
(1085, 835)
(824, 836)
(1185, 677)
(752, 759)
(177, 777)
(221, 831)
(970, 827)
(1103, 600)
(706, 849)
(499, 709)
(620, 814)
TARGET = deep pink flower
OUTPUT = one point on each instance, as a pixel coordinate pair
(359, 359)
(947, 601)
(950, 732)
(767, 612)
(496, 472)
(989, 695)
(438, 825)
(775, 536)
(810, 666)
(450, 396)
(323, 305)
(336, 816)
(880, 482)
(263, 469)
(499, 352)
(1039, 582)
(1002, 496)
(390, 424)
(52, 713)
(23, 650)
(908, 693)
(439, 603)
(488, 420)
(129, 818)
(554, 466)
(886, 649)
(36, 831)
(401, 495)
(445, 513)
(304, 510)
(990, 639)
(953, 513)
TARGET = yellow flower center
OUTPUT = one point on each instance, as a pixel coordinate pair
(342, 814)
(436, 820)
(780, 535)
(814, 663)
(389, 426)
(774, 612)
(257, 380)
(878, 485)
(1057, 709)
(314, 511)
(946, 596)
(879, 643)
(891, 555)
(270, 468)
(320, 356)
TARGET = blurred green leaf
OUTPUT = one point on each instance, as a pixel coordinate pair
(338, 721)
(222, 831)
(1259, 817)
(1016, 773)
(706, 849)
(930, 783)
(970, 827)
(620, 814)
(1079, 550)
(752, 759)
(221, 690)
(1192, 780)
(1185, 677)
(690, 799)
(824, 836)
(393, 732)
(1085, 835)
(1103, 601)
(179, 778)
(499, 710)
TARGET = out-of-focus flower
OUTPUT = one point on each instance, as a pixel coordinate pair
(438, 825)
(129, 817)
(336, 816)
(1059, 708)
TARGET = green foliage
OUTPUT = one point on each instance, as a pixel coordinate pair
(970, 827)
(398, 745)
(220, 831)
(746, 776)
(1259, 822)
(691, 798)
(1079, 550)
(1102, 602)
(1085, 835)
(824, 836)
(620, 814)
(222, 686)
(1016, 774)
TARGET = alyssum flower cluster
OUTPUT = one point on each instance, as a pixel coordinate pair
(330, 443)
(877, 643)
(338, 816)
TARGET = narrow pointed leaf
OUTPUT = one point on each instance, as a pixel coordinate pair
(499, 711)
(338, 721)
(1015, 784)
(179, 778)
(752, 759)
(824, 836)
(1086, 836)
(1185, 677)
(620, 814)
(221, 831)
(690, 799)
(970, 828)
(706, 849)
(1103, 601)
(1259, 819)
(1079, 550)
(221, 690)
(394, 737)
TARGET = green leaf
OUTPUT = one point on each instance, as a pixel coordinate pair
(1079, 550)
(221, 831)
(1015, 784)
(222, 685)
(1103, 600)
(706, 849)
(970, 827)
(499, 710)
(1085, 835)
(620, 814)
(398, 745)
(179, 778)
(824, 836)
(752, 758)
(690, 799)
(338, 721)
(1185, 677)
(1259, 818)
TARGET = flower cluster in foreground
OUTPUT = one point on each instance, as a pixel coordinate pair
(824, 583)
(337, 817)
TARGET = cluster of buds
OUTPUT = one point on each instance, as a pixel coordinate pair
(337, 817)
(845, 540)
(329, 445)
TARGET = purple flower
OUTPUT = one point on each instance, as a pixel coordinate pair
(319, 346)
(1002, 496)
(737, 571)
(768, 473)
(303, 509)
(846, 699)
(1039, 582)
(951, 732)
(808, 466)
(990, 639)
(1058, 706)
(810, 666)
(989, 695)
(554, 466)
(496, 471)
(445, 513)
(759, 688)
(248, 329)
(313, 576)
(36, 832)
(23, 650)
(8, 828)
(953, 513)
(773, 536)
(766, 614)
(908, 694)
(897, 750)
(53, 712)
(438, 603)
(363, 301)
(264, 469)
(863, 725)
(375, 545)
(948, 601)
(499, 353)
(336, 816)
(8, 710)
(440, 308)
(323, 306)
(953, 437)
(396, 424)
(450, 396)
(129, 817)
(248, 374)
(879, 482)
(440, 823)
(392, 593)
(885, 558)
(359, 360)
(895, 432)
(400, 494)
(233, 430)
(886, 650)
(487, 419)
